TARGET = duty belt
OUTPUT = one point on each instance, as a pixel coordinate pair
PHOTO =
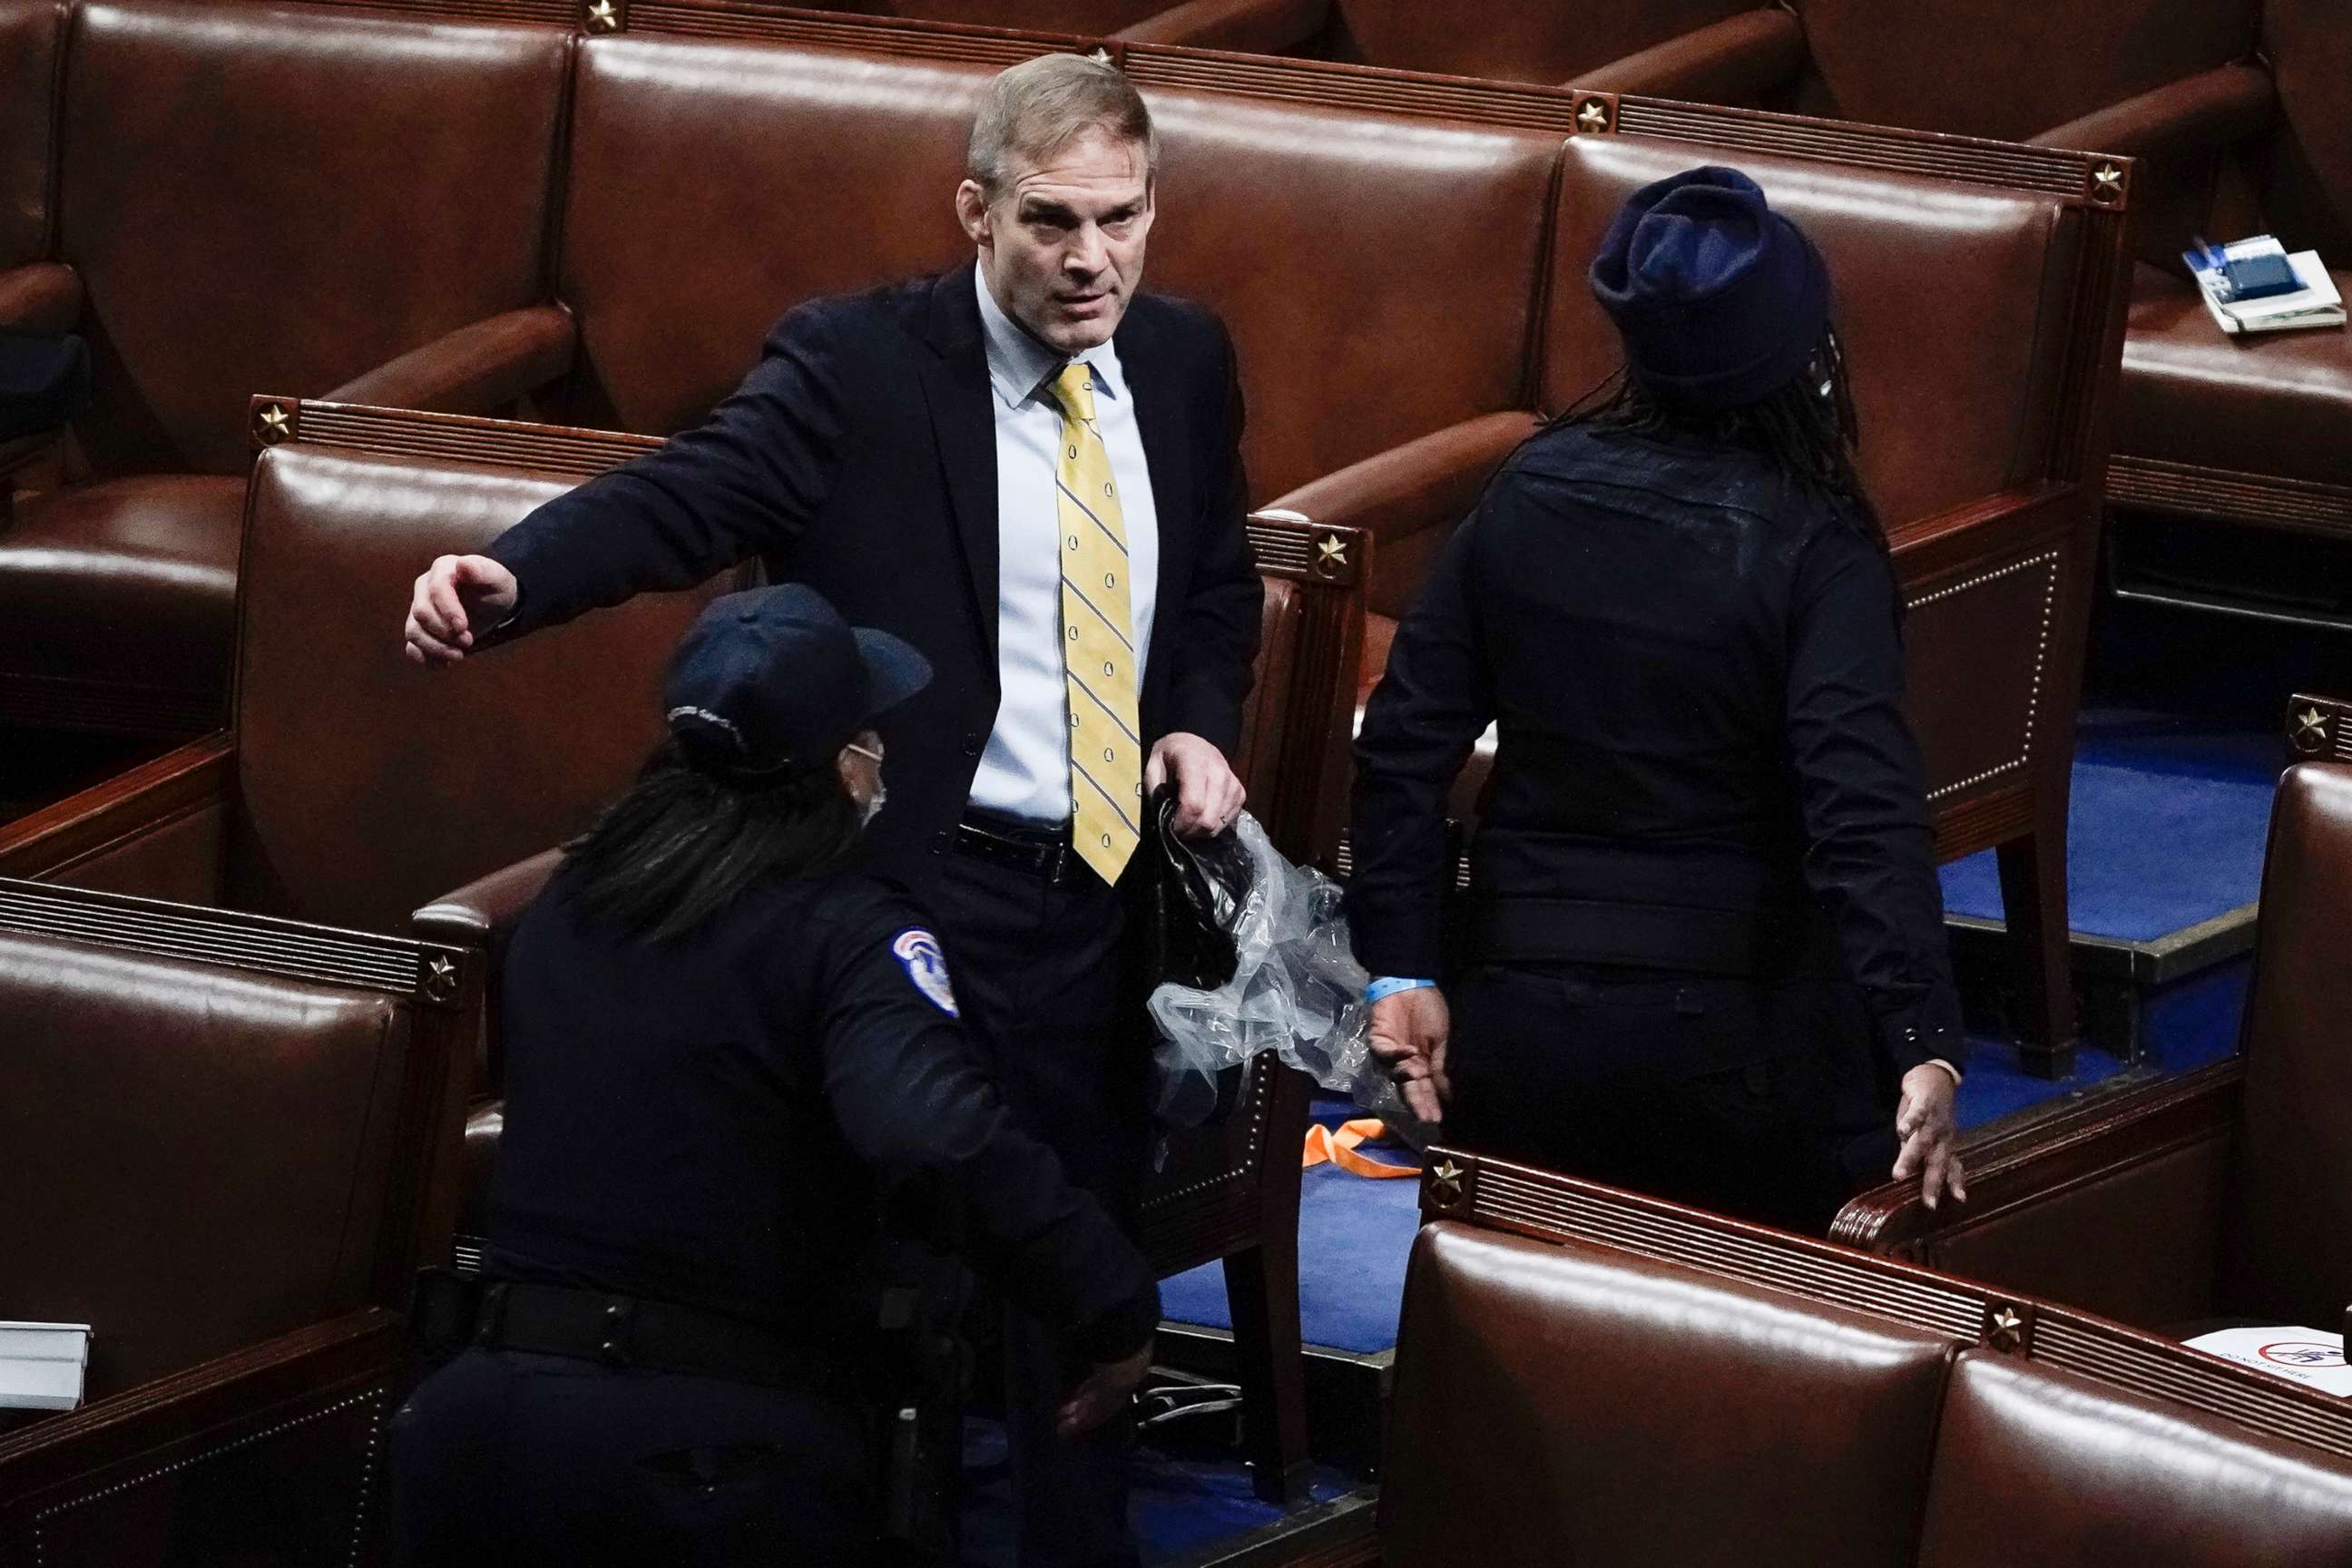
(1650, 936)
(630, 1331)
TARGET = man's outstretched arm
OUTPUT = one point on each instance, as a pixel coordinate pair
(745, 482)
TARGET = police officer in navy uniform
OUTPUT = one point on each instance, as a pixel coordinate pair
(1702, 954)
(730, 1045)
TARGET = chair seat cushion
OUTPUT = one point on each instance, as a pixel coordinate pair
(2265, 402)
(118, 602)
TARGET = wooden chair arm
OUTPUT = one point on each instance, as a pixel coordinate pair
(333, 1383)
(2060, 1208)
(113, 834)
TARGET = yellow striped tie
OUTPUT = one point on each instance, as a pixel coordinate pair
(1098, 639)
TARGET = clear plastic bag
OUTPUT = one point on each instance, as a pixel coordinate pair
(1297, 989)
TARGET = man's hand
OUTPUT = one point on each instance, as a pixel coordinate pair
(457, 594)
(1208, 796)
(1102, 1395)
(1408, 1034)
(1923, 1120)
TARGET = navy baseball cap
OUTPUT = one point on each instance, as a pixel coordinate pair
(774, 681)
(1720, 299)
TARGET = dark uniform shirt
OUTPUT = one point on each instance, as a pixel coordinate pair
(1695, 669)
(711, 1121)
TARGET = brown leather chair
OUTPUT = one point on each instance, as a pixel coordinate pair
(2247, 432)
(246, 196)
(1585, 1376)
(2237, 114)
(353, 786)
(2225, 1192)
(230, 1142)
(1228, 1191)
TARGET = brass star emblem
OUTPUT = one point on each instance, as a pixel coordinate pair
(2007, 1326)
(1101, 57)
(440, 978)
(603, 17)
(2106, 183)
(1332, 550)
(1593, 116)
(2310, 729)
(1446, 1182)
(277, 423)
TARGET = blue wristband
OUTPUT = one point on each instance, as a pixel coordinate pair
(1390, 984)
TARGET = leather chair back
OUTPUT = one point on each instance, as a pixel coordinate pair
(714, 186)
(199, 1156)
(2309, 201)
(1561, 1403)
(2038, 1465)
(1951, 300)
(2286, 1244)
(259, 197)
(1584, 1377)
(1517, 40)
(366, 785)
(1991, 68)
(1378, 273)
(30, 35)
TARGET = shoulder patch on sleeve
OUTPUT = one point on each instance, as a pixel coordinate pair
(926, 962)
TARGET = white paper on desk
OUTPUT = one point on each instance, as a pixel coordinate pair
(41, 1366)
(2310, 1356)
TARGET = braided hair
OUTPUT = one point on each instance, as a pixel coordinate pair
(1808, 428)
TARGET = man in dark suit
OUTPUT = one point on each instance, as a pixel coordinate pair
(1032, 474)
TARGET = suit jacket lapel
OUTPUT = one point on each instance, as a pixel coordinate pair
(1159, 420)
(955, 386)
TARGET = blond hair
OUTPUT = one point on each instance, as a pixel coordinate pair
(1035, 109)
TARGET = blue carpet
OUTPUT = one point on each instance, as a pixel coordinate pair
(2168, 827)
(1182, 1500)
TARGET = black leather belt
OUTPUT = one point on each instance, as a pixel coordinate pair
(1650, 936)
(658, 1336)
(1044, 853)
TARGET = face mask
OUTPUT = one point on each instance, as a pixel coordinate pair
(880, 797)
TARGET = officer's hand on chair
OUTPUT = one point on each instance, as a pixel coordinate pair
(1208, 795)
(1103, 1394)
(1923, 1120)
(1408, 1034)
(457, 598)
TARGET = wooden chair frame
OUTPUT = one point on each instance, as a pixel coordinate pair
(332, 1383)
(1499, 1195)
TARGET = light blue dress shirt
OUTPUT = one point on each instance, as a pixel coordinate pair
(1026, 770)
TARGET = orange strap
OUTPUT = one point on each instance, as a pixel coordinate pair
(1339, 1148)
